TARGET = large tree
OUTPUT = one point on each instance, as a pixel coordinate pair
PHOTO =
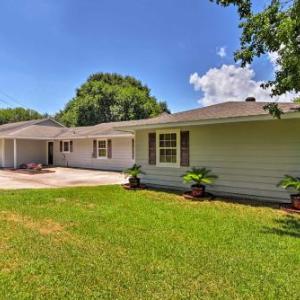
(106, 97)
(9, 115)
(275, 29)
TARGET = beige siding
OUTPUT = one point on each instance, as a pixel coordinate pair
(1, 153)
(8, 153)
(31, 151)
(82, 155)
(249, 158)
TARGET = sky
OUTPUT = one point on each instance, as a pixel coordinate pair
(181, 49)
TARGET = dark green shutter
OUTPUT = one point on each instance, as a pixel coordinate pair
(109, 149)
(184, 148)
(94, 154)
(152, 148)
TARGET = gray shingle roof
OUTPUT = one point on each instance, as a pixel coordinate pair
(42, 129)
(224, 110)
(103, 129)
(49, 129)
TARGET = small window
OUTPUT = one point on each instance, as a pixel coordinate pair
(66, 146)
(102, 149)
(168, 152)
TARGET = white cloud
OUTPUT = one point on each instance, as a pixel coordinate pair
(273, 58)
(232, 83)
(222, 52)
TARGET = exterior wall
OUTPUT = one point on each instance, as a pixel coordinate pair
(8, 153)
(249, 158)
(81, 157)
(31, 151)
(1, 153)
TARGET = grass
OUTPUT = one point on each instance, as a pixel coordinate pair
(107, 243)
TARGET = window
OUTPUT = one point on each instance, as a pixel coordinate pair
(168, 148)
(66, 146)
(102, 149)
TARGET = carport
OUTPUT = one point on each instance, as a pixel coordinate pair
(15, 152)
(26, 142)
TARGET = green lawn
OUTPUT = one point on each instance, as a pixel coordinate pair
(107, 243)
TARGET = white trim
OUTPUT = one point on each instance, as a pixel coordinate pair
(15, 154)
(63, 146)
(106, 145)
(169, 165)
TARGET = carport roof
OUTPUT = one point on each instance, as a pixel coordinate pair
(45, 129)
(34, 129)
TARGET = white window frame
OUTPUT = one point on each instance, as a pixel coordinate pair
(63, 146)
(170, 165)
(106, 144)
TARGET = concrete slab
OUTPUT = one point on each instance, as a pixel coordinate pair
(57, 177)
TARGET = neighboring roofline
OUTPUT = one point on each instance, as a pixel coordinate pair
(53, 120)
(262, 117)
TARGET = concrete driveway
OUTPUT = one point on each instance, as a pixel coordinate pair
(57, 177)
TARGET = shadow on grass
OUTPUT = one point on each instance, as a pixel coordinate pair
(230, 200)
(287, 226)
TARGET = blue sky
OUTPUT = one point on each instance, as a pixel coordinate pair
(49, 47)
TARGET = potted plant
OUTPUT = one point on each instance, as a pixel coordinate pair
(133, 174)
(200, 177)
(290, 182)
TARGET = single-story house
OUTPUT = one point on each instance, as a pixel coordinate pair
(240, 142)
(50, 143)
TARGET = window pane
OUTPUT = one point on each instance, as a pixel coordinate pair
(168, 151)
(102, 152)
(173, 144)
(173, 136)
(168, 158)
(102, 144)
(66, 146)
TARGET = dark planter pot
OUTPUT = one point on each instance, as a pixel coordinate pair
(134, 182)
(296, 201)
(198, 190)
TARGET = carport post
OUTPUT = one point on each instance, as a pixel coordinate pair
(15, 153)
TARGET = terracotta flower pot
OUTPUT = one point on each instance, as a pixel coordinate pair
(134, 182)
(198, 190)
(296, 201)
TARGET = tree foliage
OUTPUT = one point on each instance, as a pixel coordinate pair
(274, 29)
(106, 97)
(10, 115)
